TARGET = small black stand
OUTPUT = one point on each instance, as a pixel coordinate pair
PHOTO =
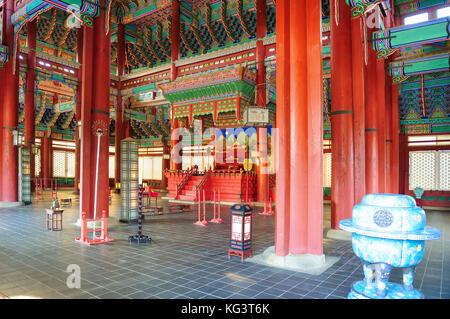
(139, 238)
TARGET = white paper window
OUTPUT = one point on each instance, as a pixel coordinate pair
(429, 170)
(150, 167)
(59, 164)
(70, 164)
(112, 171)
(327, 170)
(63, 164)
(157, 168)
(444, 170)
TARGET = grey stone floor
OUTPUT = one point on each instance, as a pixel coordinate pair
(183, 260)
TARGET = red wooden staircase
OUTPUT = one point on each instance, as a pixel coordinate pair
(234, 186)
(189, 192)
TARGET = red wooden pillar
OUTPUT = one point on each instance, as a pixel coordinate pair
(261, 30)
(29, 95)
(1, 124)
(395, 161)
(282, 145)
(371, 123)
(299, 219)
(175, 43)
(1, 119)
(125, 123)
(94, 116)
(86, 175)
(342, 171)
(404, 164)
(119, 123)
(381, 124)
(397, 151)
(76, 187)
(46, 154)
(389, 128)
(100, 113)
(8, 160)
(358, 78)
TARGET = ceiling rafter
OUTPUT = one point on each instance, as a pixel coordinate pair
(209, 25)
(148, 39)
(223, 16)
(52, 25)
(158, 39)
(240, 14)
(184, 39)
(199, 39)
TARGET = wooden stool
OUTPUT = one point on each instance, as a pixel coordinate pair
(54, 219)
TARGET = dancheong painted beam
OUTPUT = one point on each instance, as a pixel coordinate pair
(387, 41)
(402, 69)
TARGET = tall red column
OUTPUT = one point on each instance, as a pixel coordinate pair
(342, 171)
(389, 139)
(381, 124)
(86, 176)
(404, 163)
(76, 182)
(100, 112)
(119, 123)
(371, 123)
(395, 161)
(261, 30)
(175, 54)
(29, 95)
(95, 116)
(8, 160)
(126, 128)
(300, 35)
(175, 43)
(359, 100)
(46, 143)
(282, 145)
(1, 123)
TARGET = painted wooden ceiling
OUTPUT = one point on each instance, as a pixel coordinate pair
(206, 26)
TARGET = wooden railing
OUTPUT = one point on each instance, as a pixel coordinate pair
(185, 180)
(202, 183)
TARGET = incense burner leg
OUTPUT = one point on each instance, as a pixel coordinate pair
(383, 272)
(408, 277)
(369, 273)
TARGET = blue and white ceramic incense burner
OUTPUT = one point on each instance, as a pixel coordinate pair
(388, 231)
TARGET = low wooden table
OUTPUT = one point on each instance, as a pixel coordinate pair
(54, 219)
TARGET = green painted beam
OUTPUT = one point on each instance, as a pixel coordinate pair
(385, 42)
(419, 66)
